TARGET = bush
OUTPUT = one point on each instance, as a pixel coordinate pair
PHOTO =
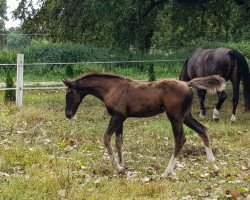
(63, 52)
(8, 56)
(151, 72)
(243, 47)
(9, 95)
(16, 40)
(69, 71)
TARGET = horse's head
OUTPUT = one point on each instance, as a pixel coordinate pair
(74, 96)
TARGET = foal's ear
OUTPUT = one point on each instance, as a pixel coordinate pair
(68, 83)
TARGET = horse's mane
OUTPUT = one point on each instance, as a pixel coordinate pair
(99, 75)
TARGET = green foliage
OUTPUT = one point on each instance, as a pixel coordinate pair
(118, 24)
(151, 72)
(8, 56)
(243, 47)
(47, 52)
(16, 40)
(137, 24)
(181, 22)
(3, 18)
(63, 52)
(3, 9)
(69, 71)
(9, 95)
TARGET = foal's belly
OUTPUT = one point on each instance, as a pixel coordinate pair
(147, 111)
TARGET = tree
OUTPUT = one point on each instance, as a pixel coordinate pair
(241, 20)
(25, 10)
(3, 18)
(126, 24)
(119, 23)
(182, 21)
(15, 39)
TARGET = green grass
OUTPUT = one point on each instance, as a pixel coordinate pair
(45, 156)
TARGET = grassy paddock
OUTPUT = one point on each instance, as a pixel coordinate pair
(45, 156)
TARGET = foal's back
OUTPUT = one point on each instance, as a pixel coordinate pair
(144, 99)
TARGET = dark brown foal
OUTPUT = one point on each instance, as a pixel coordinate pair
(125, 98)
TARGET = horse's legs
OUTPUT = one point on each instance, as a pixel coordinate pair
(202, 94)
(192, 123)
(236, 91)
(119, 143)
(114, 125)
(222, 97)
(179, 137)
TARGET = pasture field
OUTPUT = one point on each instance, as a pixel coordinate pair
(43, 155)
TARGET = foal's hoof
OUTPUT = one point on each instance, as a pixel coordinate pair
(216, 172)
(165, 175)
(121, 170)
(216, 169)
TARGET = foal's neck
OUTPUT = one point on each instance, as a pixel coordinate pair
(97, 86)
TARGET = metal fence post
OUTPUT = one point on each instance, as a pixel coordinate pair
(19, 81)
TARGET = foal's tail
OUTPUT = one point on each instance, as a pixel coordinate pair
(244, 73)
(212, 84)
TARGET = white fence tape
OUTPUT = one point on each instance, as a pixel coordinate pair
(99, 62)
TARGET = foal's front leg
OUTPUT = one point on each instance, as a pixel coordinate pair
(114, 125)
(119, 143)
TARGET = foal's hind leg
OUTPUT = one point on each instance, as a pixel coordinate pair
(179, 137)
(114, 125)
(222, 97)
(192, 123)
(119, 143)
(202, 95)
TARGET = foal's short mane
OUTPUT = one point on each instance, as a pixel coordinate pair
(100, 75)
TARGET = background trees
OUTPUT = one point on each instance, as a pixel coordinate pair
(138, 24)
(3, 18)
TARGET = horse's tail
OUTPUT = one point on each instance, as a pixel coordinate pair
(183, 75)
(244, 73)
(212, 84)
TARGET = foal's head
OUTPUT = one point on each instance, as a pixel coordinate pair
(74, 96)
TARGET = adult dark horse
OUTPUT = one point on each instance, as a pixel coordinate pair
(229, 64)
(126, 98)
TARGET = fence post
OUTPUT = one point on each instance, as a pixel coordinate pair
(19, 81)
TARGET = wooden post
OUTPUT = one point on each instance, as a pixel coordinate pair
(19, 81)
